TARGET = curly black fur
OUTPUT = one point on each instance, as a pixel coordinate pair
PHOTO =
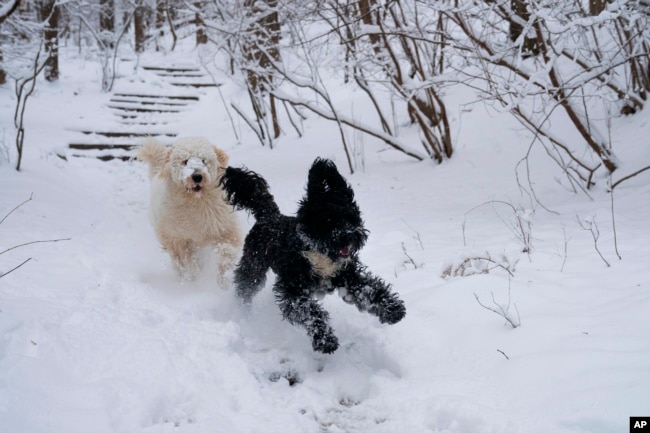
(313, 253)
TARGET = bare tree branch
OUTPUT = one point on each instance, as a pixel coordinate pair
(8, 9)
(630, 176)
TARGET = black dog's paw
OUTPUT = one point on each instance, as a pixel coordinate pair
(325, 342)
(392, 311)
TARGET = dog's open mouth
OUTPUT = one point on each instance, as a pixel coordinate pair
(194, 189)
(345, 251)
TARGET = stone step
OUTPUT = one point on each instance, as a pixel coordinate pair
(197, 74)
(137, 122)
(195, 85)
(171, 69)
(158, 97)
(127, 134)
(104, 156)
(102, 146)
(139, 109)
(121, 100)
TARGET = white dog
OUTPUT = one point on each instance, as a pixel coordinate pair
(187, 208)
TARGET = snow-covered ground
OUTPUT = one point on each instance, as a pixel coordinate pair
(97, 334)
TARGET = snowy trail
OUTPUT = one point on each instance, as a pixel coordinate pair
(125, 337)
(98, 334)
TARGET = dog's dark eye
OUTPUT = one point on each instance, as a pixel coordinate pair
(185, 162)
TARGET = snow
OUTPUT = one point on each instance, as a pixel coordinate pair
(190, 168)
(97, 333)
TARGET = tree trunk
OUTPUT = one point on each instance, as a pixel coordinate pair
(596, 7)
(107, 22)
(139, 27)
(274, 117)
(7, 12)
(49, 14)
(530, 46)
(261, 50)
(265, 37)
(3, 74)
(161, 15)
(201, 36)
(366, 14)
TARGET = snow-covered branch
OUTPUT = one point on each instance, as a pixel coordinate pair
(324, 113)
(7, 9)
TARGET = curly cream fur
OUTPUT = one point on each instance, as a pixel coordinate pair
(187, 208)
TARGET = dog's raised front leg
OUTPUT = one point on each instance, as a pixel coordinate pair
(369, 293)
(307, 312)
(226, 260)
(227, 248)
(183, 256)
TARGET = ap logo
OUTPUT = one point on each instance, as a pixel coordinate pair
(640, 424)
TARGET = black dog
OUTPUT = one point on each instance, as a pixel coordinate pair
(312, 254)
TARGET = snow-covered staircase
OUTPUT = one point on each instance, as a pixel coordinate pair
(140, 111)
(183, 76)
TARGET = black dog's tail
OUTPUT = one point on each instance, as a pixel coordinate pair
(248, 190)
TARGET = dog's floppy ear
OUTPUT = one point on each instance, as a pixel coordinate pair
(325, 178)
(222, 157)
(156, 154)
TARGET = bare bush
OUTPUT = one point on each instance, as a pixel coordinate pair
(390, 44)
(480, 264)
(544, 62)
(504, 310)
(106, 42)
(519, 222)
(374, 44)
(589, 224)
(580, 63)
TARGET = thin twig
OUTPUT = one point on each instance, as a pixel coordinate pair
(611, 193)
(249, 122)
(33, 242)
(14, 209)
(592, 227)
(566, 245)
(290, 117)
(463, 229)
(503, 353)
(417, 234)
(521, 227)
(615, 184)
(501, 311)
(2, 274)
(225, 105)
(410, 259)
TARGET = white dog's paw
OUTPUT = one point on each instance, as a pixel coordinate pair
(224, 281)
(227, 256)
(188, 271)
(186, 276)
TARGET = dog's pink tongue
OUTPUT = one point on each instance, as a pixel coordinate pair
(345, 251)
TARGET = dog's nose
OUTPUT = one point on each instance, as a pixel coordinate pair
(197, 178)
